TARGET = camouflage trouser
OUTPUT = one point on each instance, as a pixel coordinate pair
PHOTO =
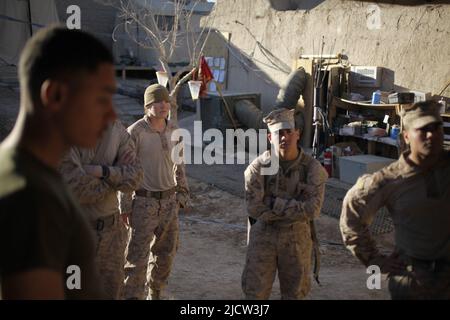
(152, 246)
(110, 249)
(286, 248)
(421, 281)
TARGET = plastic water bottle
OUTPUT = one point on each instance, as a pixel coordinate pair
(376, 97)
(443, 105)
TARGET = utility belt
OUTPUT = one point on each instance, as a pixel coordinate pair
(105, 222)
(155, 194)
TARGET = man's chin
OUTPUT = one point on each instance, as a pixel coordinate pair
(161, 116)
(431, 152)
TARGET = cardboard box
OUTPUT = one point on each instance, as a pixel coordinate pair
(351, 168)
(366, 76)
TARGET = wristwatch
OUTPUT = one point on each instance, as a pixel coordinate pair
(105, 172)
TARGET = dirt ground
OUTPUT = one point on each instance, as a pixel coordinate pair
(212, 250)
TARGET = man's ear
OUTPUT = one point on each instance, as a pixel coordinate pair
(406, 136)
(53, 94)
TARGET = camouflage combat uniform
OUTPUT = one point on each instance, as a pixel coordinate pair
(419, 205)
(154, 222)
(99, 200)
(283, 205)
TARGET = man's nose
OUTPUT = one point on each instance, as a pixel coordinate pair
(432, 133)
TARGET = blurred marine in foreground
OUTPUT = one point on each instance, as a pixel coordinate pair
(416, 191)
(67, 82)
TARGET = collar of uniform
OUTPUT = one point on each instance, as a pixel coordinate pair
(406, 167)
(166, 128)
(296, 162)
(32, 162)
(266, 157)
(409, 168)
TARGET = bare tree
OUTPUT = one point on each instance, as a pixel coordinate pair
(167, 25)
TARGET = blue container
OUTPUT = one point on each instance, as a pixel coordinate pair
(376, 97)
(395, 130)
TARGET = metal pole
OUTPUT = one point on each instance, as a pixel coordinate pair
(198, 116)
(315, 154)
(29, 18)
(316, 120)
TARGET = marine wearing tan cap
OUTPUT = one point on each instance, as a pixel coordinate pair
(415, 190)
(280, 207)
(154, 237)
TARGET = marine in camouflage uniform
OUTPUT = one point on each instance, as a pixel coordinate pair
(95, 176)
(416, 193)
(154, 220)
(281, 207)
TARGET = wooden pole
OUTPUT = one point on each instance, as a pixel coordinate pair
(227, 107)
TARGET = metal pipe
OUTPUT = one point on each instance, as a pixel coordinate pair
(30, 19)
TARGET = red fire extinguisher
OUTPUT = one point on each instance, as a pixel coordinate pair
(328, 161)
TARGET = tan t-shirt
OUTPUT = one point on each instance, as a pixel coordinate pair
(417, 201)
(154, 152)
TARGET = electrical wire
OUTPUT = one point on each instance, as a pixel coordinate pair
(442, 91)
(276, 62)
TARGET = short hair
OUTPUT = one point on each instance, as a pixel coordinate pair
(56, 52)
